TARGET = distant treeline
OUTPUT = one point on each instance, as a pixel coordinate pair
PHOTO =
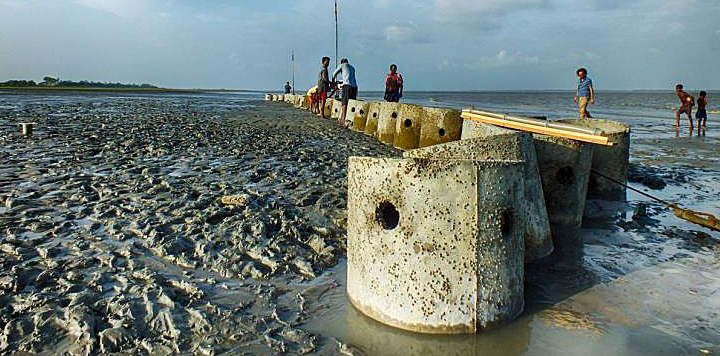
(57, 83)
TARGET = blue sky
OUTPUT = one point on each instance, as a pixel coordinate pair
(437, 44)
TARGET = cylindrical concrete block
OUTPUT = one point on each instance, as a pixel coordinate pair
(440, 126)
(281, 97)
(336, 110)
(565, 171)
(407, 126)
(26, 128)
(372, 119)
(306, 101)
(435, 246)
(299, 99)
(512, 145)
(386, 123)
(268, 97)
(612, 161)
(289, 98)
(357, 114)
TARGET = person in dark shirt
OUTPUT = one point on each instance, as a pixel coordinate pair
(701, 114)
(323, 85)
(393, 85)
(287, 88)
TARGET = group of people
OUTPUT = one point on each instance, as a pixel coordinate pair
(687, 102)
(585, 94)
(344, 83)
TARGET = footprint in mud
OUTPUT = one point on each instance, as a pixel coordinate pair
(310, 199)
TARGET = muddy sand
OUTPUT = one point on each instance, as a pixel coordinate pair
(114, 239)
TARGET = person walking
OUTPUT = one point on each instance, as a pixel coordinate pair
(393, 85)
(584, 94)
(323, 85)
(287, 88)
(686, 103)
(349, 87)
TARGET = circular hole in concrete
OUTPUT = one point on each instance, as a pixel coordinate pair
(506, 222)
(352, 109)
(408, 123)
(362, 112)
(387, 215)
(336, 110)
(374, 114)
(565, 176)
(441, 132)
(394, 115)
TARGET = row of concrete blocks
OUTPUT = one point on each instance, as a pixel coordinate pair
(437, 241)
(404, 126)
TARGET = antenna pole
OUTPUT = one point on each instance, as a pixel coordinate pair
(336, 34)
(293, 70)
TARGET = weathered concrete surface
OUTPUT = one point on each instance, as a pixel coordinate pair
(516, 146)
(268, 96)
(357, 114)
(372, 119)
(612, 161)
(306, 101)
(435, 246)
(407, 126)
(565, 170)
(329, 103)
(336, 109)
(281, 97)
(472, 129)
(289, 98)
(386, 122)
(440, 126)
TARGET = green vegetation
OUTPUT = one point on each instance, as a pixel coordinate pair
(56, 83)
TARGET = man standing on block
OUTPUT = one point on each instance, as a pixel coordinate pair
(349, 88)
(323, 85)
(287, 88)
(584, 93)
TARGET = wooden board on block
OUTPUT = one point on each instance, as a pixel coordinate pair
(596, 139)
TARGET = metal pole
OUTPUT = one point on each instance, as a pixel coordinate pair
(336, 35)
(293, 71)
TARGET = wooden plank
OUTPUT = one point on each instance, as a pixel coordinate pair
(600, 140)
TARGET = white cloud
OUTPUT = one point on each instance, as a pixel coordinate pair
(468, 11)
(121, 8)
(502, 59)
(403, 33)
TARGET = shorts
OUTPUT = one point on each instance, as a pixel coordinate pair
(701, 114)
(685, 109)
(348, 93)
(323, 96)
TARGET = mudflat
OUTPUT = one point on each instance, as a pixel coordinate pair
(115, 239)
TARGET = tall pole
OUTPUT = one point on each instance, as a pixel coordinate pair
(293, 69)
(336, 35)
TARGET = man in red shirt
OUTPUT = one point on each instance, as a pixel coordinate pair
(393, 85)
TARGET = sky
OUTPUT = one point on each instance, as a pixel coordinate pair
(437, 44)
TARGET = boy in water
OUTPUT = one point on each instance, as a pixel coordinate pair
(686, 103)
(701, 114)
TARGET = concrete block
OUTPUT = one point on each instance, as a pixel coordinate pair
(386, 122)
(372, 119)
(329, 103)
(440, 126)
(515, 146)
(268, 97)
(305, 102)
(472, 129)
(289, 98)
(299, 99)
(565, 171)
(281, 97)
(407, 126)
(612, 161)
(336, 110)
(435, 246)
(357, 114)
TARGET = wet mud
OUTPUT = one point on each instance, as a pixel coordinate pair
(114, 239)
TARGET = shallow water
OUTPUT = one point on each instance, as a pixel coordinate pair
(114, 202)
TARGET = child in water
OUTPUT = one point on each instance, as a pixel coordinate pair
(701, 114)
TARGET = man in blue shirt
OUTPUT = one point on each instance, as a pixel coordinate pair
(349, 85)
(584, 93)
